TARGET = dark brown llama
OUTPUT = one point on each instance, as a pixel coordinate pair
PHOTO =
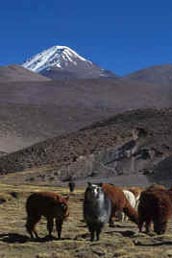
(155, 206)
(50, 205)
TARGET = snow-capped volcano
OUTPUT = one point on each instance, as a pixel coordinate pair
(57, 56)
(60, 62)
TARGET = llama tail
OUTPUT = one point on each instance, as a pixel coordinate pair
(131, 212)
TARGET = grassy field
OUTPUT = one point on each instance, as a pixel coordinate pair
(123, 240)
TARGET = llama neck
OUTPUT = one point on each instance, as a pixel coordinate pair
(99, 202)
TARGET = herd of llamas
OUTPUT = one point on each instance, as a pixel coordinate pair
(102, 204)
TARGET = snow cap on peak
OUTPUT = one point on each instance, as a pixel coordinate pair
(56, 56)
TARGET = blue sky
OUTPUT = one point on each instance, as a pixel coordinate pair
(122, 36)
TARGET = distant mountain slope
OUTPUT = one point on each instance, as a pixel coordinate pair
(19, 73)
(160, 74)
(34, 111)
(103, 149)
(61, 62)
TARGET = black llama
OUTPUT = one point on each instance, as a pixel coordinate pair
(96, 209)
(71, 186)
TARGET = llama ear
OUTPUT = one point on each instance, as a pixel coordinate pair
(89, 184)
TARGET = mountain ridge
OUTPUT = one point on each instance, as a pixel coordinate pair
(14, 73)
(160, 74)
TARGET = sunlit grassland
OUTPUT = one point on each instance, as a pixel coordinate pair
(123, 240)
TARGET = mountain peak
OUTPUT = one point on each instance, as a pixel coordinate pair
(61, 61)
(56, 56)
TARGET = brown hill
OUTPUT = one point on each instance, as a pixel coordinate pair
(34, 111)
(108, 149)
(161, 74)
(18, 73)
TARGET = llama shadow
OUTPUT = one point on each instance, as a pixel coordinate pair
(127, 233)
(83, 236)
(120, 225)
(13, 238)
(124, 233)
(18, 238)
(48, 238)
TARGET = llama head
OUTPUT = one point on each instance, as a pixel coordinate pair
(95, 190)
(62, 207)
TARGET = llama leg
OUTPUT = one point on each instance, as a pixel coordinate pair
(30, 226)
(50, 225)
(148, 224)
(92, 231)
(92, 235)
(131, 213)
(123, 217)
(35, 222)
(98, 231)
(111, 222)
(59, 224)
(140, 224)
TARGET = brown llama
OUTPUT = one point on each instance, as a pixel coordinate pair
(155, 206)
(50, 205)
(119, 202)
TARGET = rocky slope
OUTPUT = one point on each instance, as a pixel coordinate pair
(133, 143)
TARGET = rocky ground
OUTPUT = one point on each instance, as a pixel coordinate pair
(122, 240)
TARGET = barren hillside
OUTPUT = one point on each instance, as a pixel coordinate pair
(17, 73)
(34, 111)
(161, 74)
(106, 149)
